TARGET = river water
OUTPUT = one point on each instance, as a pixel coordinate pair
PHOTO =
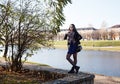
(100, 62)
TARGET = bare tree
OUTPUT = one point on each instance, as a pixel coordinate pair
(96, 35)
(112, 35)
(103, 31)
(119, 35)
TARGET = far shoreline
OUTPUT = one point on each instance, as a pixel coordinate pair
(106, 48)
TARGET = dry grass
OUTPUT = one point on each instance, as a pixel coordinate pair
(27, 76)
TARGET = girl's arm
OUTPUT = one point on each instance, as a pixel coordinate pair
(65, 37)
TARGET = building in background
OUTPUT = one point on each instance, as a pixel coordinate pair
(114, 32)
(91, 33)
(85, 32)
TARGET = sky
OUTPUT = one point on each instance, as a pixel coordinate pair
(86, 13)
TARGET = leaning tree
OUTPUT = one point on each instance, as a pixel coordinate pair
(27, 25)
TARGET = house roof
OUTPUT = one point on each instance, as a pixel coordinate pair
(116, 26)
(87, 28)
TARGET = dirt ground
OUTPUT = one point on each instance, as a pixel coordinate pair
(101, 79)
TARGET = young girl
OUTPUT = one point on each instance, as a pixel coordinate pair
(73, 38)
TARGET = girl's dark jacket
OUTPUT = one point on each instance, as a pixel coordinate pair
(77, 37)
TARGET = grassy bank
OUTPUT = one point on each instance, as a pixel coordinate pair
(101, 43)
(94, 43)
(108, 45)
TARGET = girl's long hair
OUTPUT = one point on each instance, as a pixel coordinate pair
(77, 36)
(74, 28)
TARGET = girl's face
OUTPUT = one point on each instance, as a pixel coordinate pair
(71, 28)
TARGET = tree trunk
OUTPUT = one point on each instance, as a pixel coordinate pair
(16, 64)
(6, 50)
